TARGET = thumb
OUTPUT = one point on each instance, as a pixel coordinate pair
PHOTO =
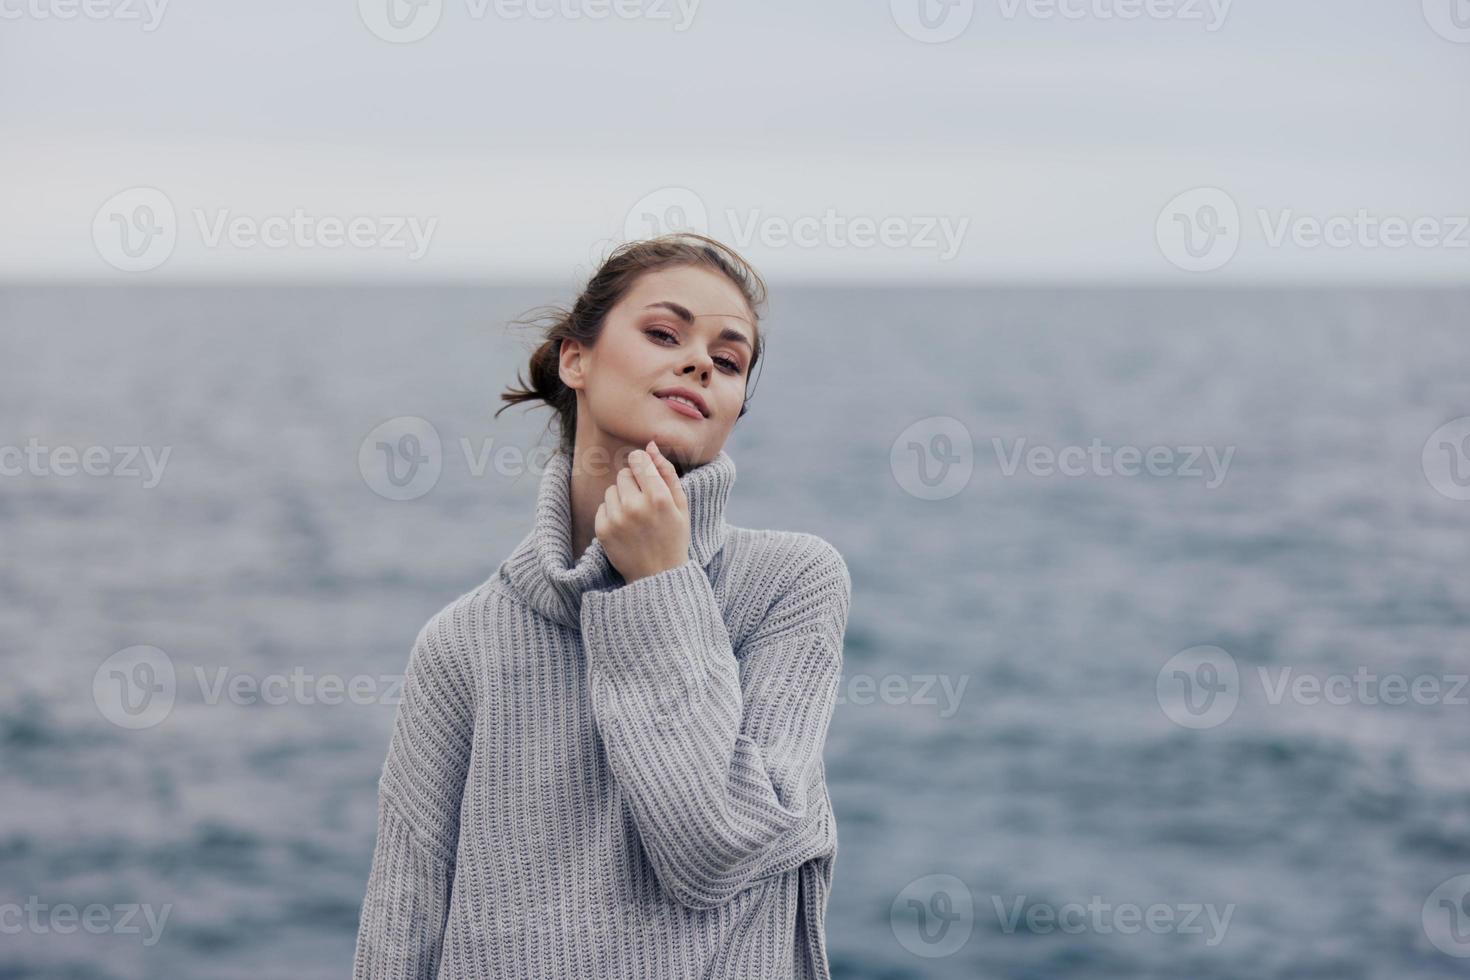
(670, 475)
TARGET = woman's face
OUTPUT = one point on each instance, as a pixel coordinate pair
(684, 327)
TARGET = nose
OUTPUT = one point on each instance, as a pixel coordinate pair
(700, 364)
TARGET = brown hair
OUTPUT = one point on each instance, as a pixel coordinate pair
(611, 282)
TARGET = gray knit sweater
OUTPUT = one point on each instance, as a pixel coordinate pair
(598, 780)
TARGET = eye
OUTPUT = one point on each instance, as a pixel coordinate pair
(729, 365)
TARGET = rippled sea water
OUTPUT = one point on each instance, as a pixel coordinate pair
(1007, 748)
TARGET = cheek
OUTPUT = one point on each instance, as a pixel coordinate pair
(635, 362)
(734, 397)
(620, 371)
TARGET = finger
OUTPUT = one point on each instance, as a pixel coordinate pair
(650, 478)
(611, 504)
(627, 486)
(670, 474)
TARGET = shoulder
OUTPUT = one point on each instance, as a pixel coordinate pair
(802, 578)
(453, 640)
(790, 558)
(450, 623)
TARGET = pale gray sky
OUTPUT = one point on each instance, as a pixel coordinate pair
(1045, 140)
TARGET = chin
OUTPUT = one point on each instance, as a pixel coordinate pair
(678, 440)
(681, 455)
(682, 451)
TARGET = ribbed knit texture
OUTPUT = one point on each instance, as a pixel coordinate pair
(594, 779)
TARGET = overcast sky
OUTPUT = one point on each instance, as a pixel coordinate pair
(1021, 140)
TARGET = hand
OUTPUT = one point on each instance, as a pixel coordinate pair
(643, 521)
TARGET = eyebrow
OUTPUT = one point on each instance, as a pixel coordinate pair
(682, 312)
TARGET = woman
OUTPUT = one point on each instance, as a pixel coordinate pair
(607, 762)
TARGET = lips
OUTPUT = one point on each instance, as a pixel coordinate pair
(684, 401)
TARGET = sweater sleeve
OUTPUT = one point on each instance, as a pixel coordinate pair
(720, 751)
(401, 927)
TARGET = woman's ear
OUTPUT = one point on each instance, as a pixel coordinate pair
(569, 363)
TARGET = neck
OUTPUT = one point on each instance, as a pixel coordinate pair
(592, 474)
(544, 572)
(594, 469)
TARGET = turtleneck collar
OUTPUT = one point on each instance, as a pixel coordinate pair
(540, 570)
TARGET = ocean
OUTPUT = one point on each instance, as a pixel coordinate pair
(1154, 667)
